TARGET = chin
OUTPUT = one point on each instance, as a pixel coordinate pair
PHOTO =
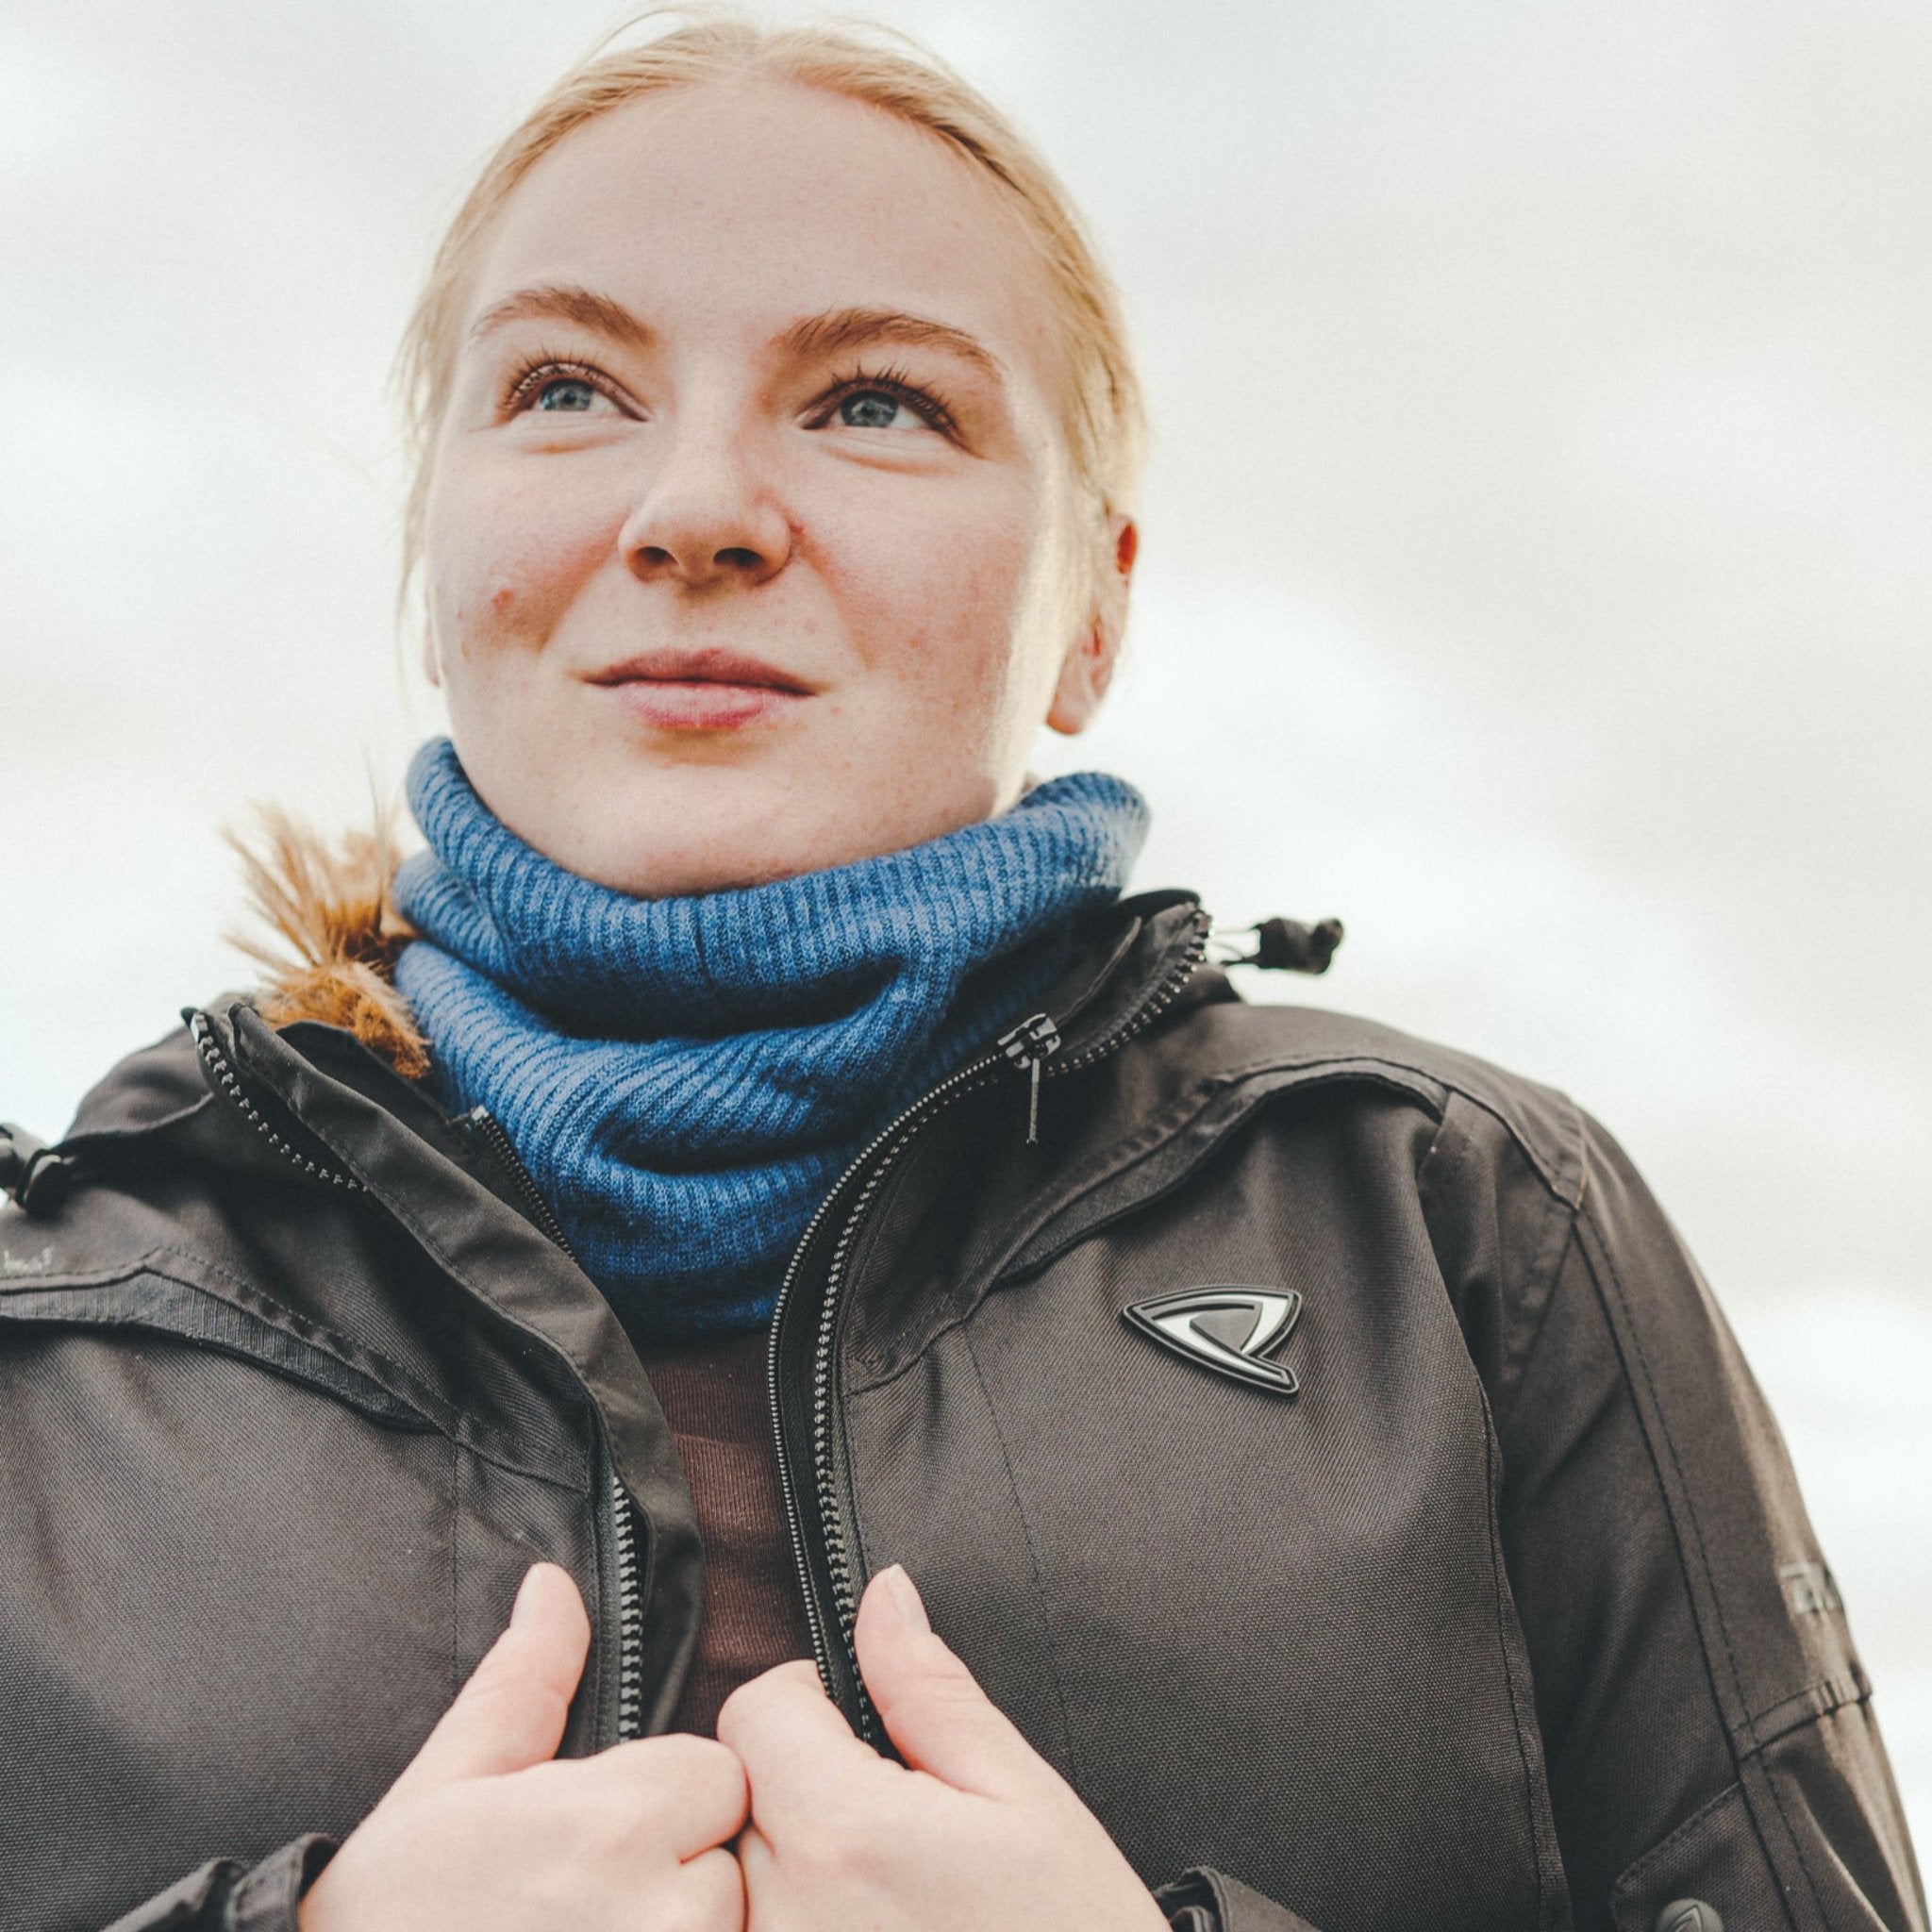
(694, 847)
(691, 829)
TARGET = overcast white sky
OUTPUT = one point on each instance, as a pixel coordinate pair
(1535, 566)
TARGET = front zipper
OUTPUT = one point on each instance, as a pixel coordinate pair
(221, 1076)
(1033, 1047)
(631, 1611)
(480, 1123)
(484, 1126)
(1028, 1046)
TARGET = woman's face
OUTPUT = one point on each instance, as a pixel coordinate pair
(750, 533)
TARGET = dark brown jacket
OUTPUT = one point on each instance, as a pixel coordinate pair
(1509, 1618)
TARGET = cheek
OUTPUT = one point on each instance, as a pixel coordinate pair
(503, 568)
(934, 593)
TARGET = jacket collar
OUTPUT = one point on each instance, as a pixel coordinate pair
(1124, 949)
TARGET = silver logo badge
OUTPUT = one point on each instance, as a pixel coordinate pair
(1231, 1329)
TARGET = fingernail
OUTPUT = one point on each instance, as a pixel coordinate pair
(520, 1609)
(905, 1598)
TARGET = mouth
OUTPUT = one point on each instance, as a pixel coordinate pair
(700, 690)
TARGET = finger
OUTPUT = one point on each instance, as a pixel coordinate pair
(758, 1866)
(791, 1738)
(696, 1785)
(939, 1719)
(711, 1889)
(510, 1714)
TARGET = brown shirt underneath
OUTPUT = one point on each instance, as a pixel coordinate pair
(714, 1397)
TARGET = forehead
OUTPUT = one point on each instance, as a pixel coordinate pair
(739, 206)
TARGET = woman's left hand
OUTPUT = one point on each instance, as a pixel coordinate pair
(975, 1833)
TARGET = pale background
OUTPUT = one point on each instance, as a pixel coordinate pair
(1536, 566)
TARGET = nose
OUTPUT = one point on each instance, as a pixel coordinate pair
(706, 516)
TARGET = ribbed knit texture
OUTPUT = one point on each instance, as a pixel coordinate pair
(685, 1078)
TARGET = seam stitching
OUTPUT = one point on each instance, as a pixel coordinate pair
(1187, 1110)
(1052, 1668)
(1554, 1241)
(1195, 1104)
(1343, 1064)
(1817, 1700)
(345, 1352)
(393, 1205)
(1663, 1431)
(1186, 1113)
(338, 1344)
(1513, 1689)
(456, 1518)
(1690, 1511)
(1639, 1866)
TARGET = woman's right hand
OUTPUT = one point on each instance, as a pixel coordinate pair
(488, 1831)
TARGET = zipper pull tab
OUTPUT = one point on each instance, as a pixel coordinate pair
(1281, 945)
(1027, 1045)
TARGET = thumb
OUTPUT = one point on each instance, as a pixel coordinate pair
(510, 1714)
(939, 1719)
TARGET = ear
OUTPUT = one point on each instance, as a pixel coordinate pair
(432, 668)
(1087, 669)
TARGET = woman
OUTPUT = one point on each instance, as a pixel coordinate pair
(1226, 1466)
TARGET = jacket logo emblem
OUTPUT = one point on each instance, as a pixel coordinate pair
(1229, 1330)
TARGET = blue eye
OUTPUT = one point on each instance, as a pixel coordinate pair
(868, 409)
(569, 393)
(884, 399)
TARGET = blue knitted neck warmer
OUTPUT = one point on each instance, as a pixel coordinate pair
(685, 1078)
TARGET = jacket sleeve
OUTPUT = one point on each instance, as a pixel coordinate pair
(226, 1896)
(1708, 1732)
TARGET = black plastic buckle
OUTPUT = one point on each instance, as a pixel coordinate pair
(30, 1170)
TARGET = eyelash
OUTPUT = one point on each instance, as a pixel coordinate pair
(530, 377)
(924, 403)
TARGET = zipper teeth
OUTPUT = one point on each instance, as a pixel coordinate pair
(837, 1559)
(631, 1614)
(893, 1141)
(1144, 1016)
(624, 1534)
(222, 1074)
(541, 1211)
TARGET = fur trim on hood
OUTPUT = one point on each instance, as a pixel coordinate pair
(334, 907)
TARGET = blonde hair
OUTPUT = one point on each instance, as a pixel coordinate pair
(1103, 419)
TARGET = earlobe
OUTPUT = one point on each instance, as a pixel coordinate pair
(1084, 679)
(1089, 664)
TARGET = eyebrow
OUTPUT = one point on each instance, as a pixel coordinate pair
(855, 328)
(562, 302)
(837, 330)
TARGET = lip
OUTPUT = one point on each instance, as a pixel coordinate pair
(700, 690)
